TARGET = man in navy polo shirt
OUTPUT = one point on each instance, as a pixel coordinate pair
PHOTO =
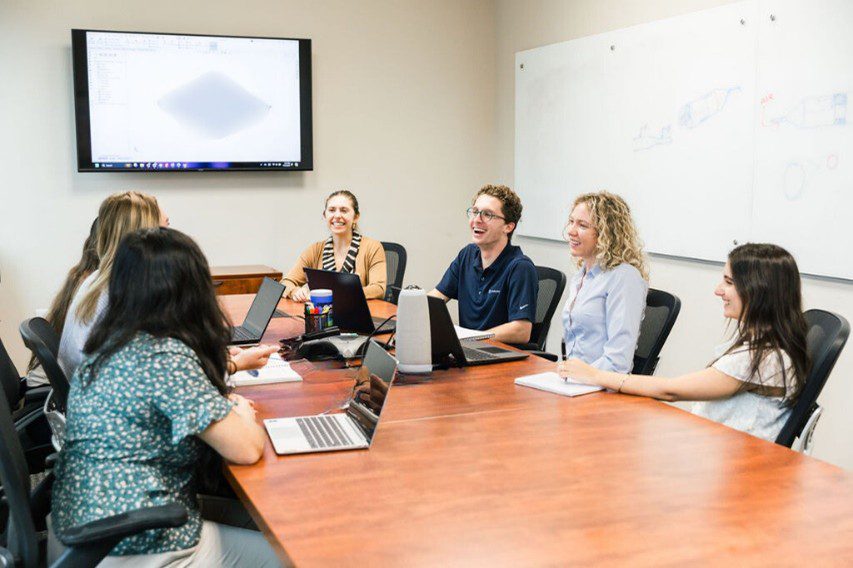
(495, 284)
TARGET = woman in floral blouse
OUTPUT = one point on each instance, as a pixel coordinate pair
(147, 397)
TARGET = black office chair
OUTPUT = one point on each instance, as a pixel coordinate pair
(552, 283)
(88, 544)
(662, 310)
(395, 262)
(28, 414)
(40, 337)
(828, 334)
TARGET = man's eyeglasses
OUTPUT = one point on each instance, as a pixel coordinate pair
(487, 216)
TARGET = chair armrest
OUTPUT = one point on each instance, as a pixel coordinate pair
(113, 529)
(90, 543)
(545, 355)
(36, 395)
(531, 346)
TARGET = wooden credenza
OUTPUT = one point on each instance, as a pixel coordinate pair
(243, 279)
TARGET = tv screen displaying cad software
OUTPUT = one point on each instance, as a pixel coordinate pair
(170, 102)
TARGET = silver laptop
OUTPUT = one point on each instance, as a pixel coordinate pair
(352, 430)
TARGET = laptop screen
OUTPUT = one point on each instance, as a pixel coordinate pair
(263, 307)
(372, 384)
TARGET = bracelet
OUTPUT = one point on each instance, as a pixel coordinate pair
(230, 365)
(625, 378)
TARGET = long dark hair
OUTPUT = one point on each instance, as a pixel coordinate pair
(161, 284)
(771, 322)
(87, 264)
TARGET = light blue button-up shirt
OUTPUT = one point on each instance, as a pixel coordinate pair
(601, 320)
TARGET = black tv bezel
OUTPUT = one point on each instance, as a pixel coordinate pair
(80, 70)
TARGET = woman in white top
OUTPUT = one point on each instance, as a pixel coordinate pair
(119, 215)
(756, 377)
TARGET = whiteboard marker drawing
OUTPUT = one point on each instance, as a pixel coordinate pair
(708, 105)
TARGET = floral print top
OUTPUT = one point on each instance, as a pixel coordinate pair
(130, 440)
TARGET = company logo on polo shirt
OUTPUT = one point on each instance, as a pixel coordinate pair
(522, 307)
(493, 291)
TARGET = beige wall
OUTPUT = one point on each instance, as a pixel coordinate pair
(413, 109)
(403, 116)
(534, 23)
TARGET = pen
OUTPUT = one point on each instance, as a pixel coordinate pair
(563, 356)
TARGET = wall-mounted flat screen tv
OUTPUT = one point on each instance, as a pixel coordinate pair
(174, 102)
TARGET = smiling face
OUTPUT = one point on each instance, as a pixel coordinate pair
(732, 304)
(582, 235)
(486, 234)
(340, 215)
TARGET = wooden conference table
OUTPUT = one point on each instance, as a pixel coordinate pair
(468, 469)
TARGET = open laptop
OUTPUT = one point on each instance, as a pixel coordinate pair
(448, 350)
(259, 315)
(349, 305)
(352, 430)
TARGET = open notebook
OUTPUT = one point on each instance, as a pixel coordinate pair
(552, 382)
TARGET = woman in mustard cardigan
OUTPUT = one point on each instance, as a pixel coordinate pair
(346, 250)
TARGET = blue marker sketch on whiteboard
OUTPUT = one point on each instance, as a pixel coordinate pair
(646, 140)
(809, 112)
(797, 176)
(710, 104)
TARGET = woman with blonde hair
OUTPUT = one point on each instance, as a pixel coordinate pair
(607, 296)
(119, 215)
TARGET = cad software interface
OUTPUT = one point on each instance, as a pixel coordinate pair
(184, 101)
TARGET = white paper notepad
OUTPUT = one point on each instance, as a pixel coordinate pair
(463, 333)
(277, 370)
(552, 382)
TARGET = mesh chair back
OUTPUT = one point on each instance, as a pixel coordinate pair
(21, 537)
(10, 380)
(43, 341)
(828, 333)
(395, 262)
(552, 282)
(662, 310)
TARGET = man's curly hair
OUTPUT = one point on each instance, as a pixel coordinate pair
(510, 202)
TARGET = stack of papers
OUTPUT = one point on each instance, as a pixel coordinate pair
(277, 370)
(552, 382)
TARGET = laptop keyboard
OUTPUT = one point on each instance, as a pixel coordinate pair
(477, 355)
(240, 333)
(323, 432)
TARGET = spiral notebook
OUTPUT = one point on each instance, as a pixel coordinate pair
(552, 382)
(465, 334)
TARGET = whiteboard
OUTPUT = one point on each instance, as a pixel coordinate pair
(718, 127)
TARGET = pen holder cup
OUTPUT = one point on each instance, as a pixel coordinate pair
(318, 322)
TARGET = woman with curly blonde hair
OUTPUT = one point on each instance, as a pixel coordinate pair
(607, 296)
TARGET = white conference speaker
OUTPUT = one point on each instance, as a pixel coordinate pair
(414, 347)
